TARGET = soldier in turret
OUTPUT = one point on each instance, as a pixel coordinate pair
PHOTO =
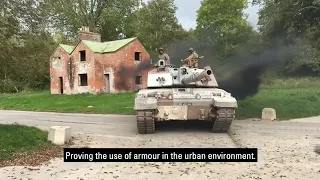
(192, 60)
(163, 56)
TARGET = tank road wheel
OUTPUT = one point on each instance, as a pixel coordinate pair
(145, 122)
(223, 121)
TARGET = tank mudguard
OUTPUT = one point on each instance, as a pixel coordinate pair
(145, 103)
(229, 102)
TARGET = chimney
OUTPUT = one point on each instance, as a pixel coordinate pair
(85, 34)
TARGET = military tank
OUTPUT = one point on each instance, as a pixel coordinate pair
(183, 93)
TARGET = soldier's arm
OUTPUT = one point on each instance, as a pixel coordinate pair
(168, 58)
(187, 59)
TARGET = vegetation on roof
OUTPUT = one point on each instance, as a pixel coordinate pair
(67, 48)
(106, 47)
(101, 47)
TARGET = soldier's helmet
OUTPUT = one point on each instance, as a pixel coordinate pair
(160, 49)
(190, 50)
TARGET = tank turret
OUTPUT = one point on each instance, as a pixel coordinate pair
(165, 75)
(183, 93)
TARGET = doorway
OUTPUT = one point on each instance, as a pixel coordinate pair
(107, 81)
(61, 85)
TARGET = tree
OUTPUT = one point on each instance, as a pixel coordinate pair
(107, 17)
(289, 18)
(221, 24)
(297, 22)
(25, 45)
(156, 24)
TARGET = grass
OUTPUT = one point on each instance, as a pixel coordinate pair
(288, 103)
(291, 83)
(16, 139)
(292, 98)
(44, 101)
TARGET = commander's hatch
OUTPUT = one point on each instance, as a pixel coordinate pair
(161, 65)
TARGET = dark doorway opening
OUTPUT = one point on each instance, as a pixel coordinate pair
(61, 85)
(107, 81)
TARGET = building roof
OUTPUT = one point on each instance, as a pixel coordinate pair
(101, 47)
(107, 47)
(67, 48)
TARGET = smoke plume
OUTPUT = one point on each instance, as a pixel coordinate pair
(246, 81)
(241, 73)
(127, 72)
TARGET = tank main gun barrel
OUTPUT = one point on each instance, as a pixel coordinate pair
(197, 77)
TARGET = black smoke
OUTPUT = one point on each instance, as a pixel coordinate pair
(246, 81)
(179, 51)
(126, 72)
(241, 73)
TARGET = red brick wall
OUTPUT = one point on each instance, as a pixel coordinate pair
(58, 68)
(83, 67)
(83, 35)
(125, 57)
(95, 65)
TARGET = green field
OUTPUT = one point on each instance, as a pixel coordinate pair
(293, 98)
(16, 139)
(44, 101)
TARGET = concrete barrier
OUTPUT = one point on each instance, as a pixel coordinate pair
(317, 149)
(59, 135)
(269, 114)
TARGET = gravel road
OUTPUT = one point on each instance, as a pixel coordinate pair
(285, 149)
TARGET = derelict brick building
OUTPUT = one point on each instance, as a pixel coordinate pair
(93, 66)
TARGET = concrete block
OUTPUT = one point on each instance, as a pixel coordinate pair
(59, 135)
(268, 114)
(317, 149)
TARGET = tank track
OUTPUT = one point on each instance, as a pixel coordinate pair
(145, 122)
(223, 121)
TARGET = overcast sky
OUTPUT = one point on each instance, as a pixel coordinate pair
(187, 14)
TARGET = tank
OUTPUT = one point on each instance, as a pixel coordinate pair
(183, 93)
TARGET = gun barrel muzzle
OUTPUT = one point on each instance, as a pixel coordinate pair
(197, 77)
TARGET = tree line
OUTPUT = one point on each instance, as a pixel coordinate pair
(31, 29)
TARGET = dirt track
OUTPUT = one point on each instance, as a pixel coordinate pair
(285, 148)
